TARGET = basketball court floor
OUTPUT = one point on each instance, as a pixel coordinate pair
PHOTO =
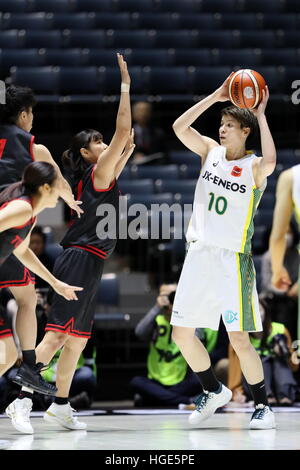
(158, 430)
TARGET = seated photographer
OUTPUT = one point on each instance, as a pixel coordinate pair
(274, 346)
(169, 381)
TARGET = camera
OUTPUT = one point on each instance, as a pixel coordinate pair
(279, 343)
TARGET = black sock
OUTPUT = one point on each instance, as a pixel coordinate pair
(23, 394)
(208, 380)
(259, 393)
(61, 401)
(29, 357)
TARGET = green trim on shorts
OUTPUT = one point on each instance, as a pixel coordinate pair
(247, 274)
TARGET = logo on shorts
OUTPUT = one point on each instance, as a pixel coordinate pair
(230, 316)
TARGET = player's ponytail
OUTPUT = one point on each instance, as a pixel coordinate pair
(36, 174)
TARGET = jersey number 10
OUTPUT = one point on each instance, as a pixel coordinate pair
(220, 204)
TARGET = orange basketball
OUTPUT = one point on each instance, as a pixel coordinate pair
(245, 88)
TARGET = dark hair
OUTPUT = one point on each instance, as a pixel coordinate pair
(37, 230)
(244, 117)
(72, 158)
(35, 175)
(18, 99)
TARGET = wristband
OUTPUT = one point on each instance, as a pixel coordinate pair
(125, 88)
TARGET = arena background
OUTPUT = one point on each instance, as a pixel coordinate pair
(177, 51)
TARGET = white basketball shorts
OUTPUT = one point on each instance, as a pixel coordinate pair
(216, 282)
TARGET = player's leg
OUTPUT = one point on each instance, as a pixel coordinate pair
(26, 323)
(52, 342)
(242, 317)
(8, 353)
(26, 326)
(60, 412)
(19, 410)
(196, 305)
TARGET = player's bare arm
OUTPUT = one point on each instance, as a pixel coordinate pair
(42, 154)
(281, 220)
(30, 260)
(105, 167)
(265, 166)
(14, 214)
(192, 139)
(129, 148)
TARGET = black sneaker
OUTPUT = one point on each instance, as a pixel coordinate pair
(30, 376)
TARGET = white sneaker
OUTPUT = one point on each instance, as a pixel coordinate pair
(262, 418)
(63, 415)
(207, 403)
(19, 412)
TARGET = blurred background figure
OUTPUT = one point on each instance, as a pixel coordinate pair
(274, 346)
(283, 305)
(169, 380)
(149, 139)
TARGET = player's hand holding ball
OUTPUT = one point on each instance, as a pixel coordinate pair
(222, 93)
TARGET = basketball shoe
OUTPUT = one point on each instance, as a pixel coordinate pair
(63, 415)
(208, 402)
(262, 418)
(29, 376)
(19, 413)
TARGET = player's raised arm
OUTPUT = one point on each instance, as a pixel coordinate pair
(42, 154)
(267, 163)
(191, 138)
(105, 168)
(129, 148)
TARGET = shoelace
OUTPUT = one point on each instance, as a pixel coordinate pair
(71, 417)
(40, 367)
(201, 401)
(259, 413)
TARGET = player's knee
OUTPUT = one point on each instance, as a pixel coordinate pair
(76, 345)
(181, 335)
(55, 340)
(27, 302)
(239, 341)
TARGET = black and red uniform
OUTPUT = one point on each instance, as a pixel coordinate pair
(15, 154)
(9, 240)
(81, 263)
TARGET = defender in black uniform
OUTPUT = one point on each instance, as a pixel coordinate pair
(94, 168)
(17, 150)
(19, 205)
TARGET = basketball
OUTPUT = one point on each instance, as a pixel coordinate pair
(245, 88)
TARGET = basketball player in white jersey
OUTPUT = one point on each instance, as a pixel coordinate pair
(287, 202)
(218, 276)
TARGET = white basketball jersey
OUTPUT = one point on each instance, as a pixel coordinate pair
(225, 202)
(296, 192)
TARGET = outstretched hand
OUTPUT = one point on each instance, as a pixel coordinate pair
(75, 207)
(67, 291)
(123, 69)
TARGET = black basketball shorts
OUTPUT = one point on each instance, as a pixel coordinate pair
(75, 317)
(5, 324)
(14, 274)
